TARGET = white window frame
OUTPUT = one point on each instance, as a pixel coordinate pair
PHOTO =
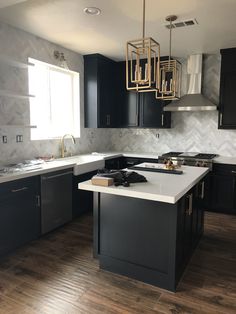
(44, 127)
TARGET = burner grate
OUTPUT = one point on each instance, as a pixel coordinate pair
(205, 156)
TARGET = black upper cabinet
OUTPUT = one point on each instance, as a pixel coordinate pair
(100, 91)
(151, 112)
(108, 104)
(227, 110)
(128, 102)
(139, 109)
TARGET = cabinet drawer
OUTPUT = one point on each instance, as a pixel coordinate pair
(18, 186)
(224, 169)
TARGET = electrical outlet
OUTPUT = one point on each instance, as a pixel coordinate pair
(4, 139)
(19, 138)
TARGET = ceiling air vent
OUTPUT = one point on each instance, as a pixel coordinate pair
(177, 24)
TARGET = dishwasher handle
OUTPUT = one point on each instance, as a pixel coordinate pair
(47, 177)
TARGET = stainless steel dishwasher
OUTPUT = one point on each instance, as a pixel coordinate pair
(56, 199)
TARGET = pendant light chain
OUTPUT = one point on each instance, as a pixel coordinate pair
(170, 40)
(143, 18)
(144, 21)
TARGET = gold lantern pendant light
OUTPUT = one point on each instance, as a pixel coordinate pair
(142, 66)
(170, 73)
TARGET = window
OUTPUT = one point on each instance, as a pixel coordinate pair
(55, 108)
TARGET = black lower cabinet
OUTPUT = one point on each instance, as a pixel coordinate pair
(127, 162)
(147, 240)
(190, 225)
(223, 189)
(82, 201)
(114, 163)
(132, 161)
(19, 213)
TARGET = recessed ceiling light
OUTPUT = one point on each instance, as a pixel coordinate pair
(92, 11)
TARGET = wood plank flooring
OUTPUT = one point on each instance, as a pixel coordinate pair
(57, 274)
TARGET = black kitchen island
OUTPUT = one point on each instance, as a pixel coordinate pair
(149, 230)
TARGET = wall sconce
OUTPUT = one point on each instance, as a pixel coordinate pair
(61, 59)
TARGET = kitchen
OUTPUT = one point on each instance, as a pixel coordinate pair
(57, 272)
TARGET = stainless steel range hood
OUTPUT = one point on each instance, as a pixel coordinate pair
(193, 100)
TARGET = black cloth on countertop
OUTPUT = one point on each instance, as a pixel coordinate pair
(122, 177)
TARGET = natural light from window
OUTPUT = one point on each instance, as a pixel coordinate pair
(55, 108)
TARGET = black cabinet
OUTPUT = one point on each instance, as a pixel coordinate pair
(82, 201)
(100, 91)
(223, 189)
(132, 161)
(108, 104)
(227, 108)
(127, 162)
(139, 109)
(151, 112)
(56, 199)
(199, 197)
(19, 213)
(127, 102)
(114, 163)
(152, 245)
(190, 224)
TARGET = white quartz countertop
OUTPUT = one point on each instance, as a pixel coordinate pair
(44, 168)
(84, 163)
(225, 160)
(80, 164)
(109, 155)
(162, 187)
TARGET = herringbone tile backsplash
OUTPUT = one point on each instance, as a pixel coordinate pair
(20, 45)
(190, 131)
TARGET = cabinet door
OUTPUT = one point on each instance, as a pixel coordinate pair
(82, 201)
(19, 214)
(107, 82)
(227, 114)
(114, 163)
(100, 91)
(198, 211)
(223, 193)
(128, 102)
(151, 113)
(188, 232)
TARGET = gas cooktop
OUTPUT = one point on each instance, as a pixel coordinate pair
(190, 155)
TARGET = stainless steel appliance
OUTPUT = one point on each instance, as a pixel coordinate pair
(194, 100)
(56, 199)
(189, 159)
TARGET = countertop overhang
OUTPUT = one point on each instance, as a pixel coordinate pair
(162, 187)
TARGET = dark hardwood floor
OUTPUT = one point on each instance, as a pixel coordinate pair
(57, 274)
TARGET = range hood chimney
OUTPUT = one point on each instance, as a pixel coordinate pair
(193, 100)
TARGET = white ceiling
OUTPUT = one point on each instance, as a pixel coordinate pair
(64, 22)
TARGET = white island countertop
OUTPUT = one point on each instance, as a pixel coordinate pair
(162, 187)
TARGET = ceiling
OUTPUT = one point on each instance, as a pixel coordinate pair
(64, 22)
